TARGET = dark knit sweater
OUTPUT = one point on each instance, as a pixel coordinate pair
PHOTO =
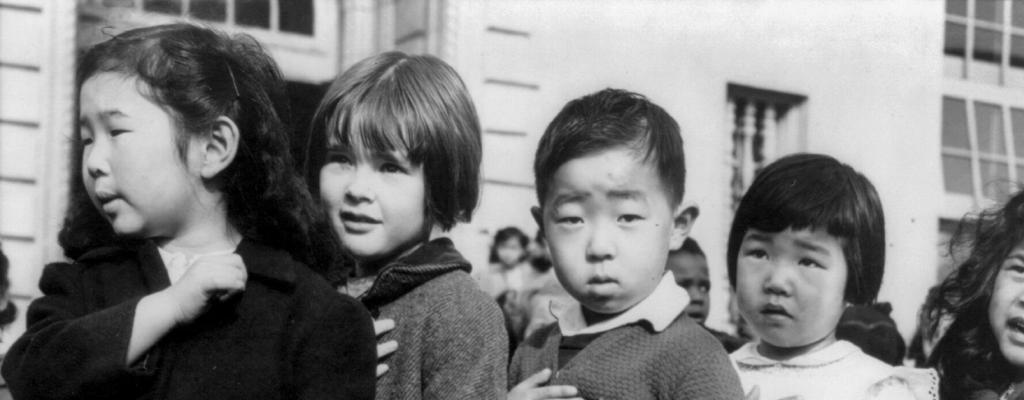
(633, 362)
(451, 335)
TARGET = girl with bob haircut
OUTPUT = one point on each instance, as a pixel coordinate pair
(188, 230)
(808, 239)
(395, 153)
(981, 354)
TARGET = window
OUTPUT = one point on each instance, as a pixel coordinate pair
(765, 124)
(982, 147)
(292, 16)
(984, 41)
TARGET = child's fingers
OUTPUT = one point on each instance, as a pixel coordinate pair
(537, 379)
(386, 348)
(382, 326)
(382, 369)
(555, 392)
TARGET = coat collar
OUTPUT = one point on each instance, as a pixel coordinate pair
(433, 259)
(261, 262)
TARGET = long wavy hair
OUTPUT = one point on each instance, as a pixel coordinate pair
(196, 75)
(967, 357)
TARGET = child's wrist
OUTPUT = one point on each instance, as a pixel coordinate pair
(165, 305)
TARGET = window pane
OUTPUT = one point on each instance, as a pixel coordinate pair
(253, 13)
(1017, 121)
(172, 7)
(1018, 14)
(988, 10)
(988, 45)
(956, 39)
(989, 121)
(210, 10)
(995, 179)
(1017, 51)
(956, 171)
(297, 16)
(956, 7)
(118, 3)
(954, 124)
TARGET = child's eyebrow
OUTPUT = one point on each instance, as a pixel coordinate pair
(757, 236)
(626, 195)
(110, 114)
(574, 197)
(105, 116)
(1016, 256)
(811, 246)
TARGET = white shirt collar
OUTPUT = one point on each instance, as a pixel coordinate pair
(659, 308)
(750, 357)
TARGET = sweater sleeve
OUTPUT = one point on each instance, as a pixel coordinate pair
(468, 354)
(67, 352)
(337, 355)
(707, 372)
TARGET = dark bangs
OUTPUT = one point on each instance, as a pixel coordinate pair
(417, 105)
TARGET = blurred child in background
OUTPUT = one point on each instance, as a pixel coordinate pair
(690, 268)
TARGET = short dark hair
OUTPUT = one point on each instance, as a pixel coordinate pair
(413, 103)
(814, 191)
(506, 233)
(689, 246)
(967, 356)
(610, 119)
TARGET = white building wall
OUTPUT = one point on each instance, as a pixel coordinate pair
(36, 71)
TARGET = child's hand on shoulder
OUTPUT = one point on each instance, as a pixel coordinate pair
(533, 388)
(380, 327)
(216, 277)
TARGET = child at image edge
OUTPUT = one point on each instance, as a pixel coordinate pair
(189, 229)
(610, 176)
(808, 238)
(395, 155)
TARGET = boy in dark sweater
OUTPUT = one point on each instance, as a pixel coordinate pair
(610, 175)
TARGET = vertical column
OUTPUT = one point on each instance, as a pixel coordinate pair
(768, 135)
(358, 31)
(58, 104)
(749, 129)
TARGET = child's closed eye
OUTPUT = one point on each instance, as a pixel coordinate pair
(756, 253)
(809, 262)
(390, 168)
(570, 220)
(1015, 268)
(630, 218)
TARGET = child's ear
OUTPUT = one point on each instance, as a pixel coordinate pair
(538, 217)
(686, 214)
(219, 148)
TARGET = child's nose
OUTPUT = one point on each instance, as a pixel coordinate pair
(601, 246)
(777, 281)
(95, 159)
(359, 188)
